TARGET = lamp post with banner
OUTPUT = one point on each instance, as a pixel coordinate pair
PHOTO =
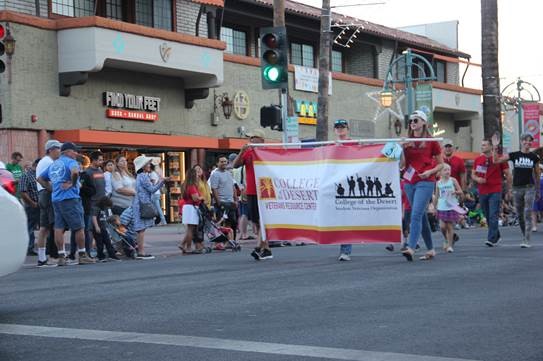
(400, 71)
(521, 96)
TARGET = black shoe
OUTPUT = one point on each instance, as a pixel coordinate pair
(266, 254)
(144, 256)
(46, 264)
(114, 258)
(489, 243)
(31, 253)
(101, 259)
(390, 248)
(71, 257)
(456, 238)
(256, 254)
(417, 247)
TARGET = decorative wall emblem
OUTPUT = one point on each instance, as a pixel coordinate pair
(241, 105)
(165, 52)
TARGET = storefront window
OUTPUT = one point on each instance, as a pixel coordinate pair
(337, 61)
(302, 54)
(152, 13)
(236, 40)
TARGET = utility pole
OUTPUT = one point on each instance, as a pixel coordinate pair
(490, 69)
(279, 20)
(324, 71)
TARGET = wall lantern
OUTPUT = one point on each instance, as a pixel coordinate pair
(226, 104)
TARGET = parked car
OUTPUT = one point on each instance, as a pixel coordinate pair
(14, 235)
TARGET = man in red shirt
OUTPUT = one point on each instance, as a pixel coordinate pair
(489, 176)
(458, 169)
(246, 157)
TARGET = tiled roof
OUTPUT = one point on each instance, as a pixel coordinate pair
(413, 40)
(218, 3)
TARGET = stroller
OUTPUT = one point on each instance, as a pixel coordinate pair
(119, 240)
(210, 231)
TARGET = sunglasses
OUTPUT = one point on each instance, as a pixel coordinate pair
(414, 120)
(340, 126)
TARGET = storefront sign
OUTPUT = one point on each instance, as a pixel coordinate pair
(133, 115)
(307, 79)
(530, 116)
(307, 112)
(129, 106)
(292, 130)
(423, 100)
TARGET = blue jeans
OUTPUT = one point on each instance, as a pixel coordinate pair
(346, 249)
(33, 221)
(88, 236)
(419, 196)
(156, 202)
(490, 204)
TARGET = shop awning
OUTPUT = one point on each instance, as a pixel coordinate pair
(467, 155)
(136, 140)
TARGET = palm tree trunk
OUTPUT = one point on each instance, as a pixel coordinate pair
(490, 68)
(324, 71)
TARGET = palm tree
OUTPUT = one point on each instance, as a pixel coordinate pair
(324, 69)
(490, 68)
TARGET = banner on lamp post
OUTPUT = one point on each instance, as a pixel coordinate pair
(328, 195)
(530, 120)
(423, 100)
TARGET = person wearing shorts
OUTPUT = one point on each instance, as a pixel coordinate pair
(63, 178)
(245, 158)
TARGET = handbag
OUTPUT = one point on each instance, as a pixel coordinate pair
(147, 210)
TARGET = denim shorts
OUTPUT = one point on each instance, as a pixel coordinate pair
(69, 214)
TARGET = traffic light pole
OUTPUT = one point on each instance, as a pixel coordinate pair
(279, 20)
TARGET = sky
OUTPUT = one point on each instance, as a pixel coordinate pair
(520, 30)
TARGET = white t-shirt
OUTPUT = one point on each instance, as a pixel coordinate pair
(124, 181)
(155, 178)
(42, 166)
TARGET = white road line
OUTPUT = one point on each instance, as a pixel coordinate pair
(214, 343)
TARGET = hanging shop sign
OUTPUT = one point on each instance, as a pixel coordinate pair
(129, 106)
(307, 112)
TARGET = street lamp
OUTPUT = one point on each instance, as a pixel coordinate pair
(386, 98)
(225, 103)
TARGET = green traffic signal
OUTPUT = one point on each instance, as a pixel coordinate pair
(272, 73)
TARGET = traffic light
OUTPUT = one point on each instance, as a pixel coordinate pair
(270, 116)
(274, 57)
(2, 48)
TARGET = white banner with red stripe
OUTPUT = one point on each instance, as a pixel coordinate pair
(328, 195)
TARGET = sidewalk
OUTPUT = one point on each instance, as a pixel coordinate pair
(159, 241)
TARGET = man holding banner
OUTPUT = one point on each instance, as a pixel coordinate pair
(246, 158)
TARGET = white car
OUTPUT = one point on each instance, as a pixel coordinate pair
(13, 232)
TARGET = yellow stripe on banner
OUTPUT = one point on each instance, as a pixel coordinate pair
(334, 228)
(327, 161)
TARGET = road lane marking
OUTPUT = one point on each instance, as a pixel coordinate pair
(214, 343)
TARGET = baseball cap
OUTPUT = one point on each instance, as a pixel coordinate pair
(448, 142)
(52, 143)
(341, 123)
(231, 157)
(419, 114)
(256, 133)
(525, 136)
(69, 146)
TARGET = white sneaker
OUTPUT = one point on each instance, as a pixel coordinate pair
(525, 245)
(450, 250)
(344, 257)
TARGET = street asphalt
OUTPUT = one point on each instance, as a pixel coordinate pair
(478, 303)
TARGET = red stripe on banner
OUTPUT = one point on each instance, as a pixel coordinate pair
(330, 152)
(334, 237)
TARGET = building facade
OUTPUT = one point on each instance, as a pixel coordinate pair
(153, 77)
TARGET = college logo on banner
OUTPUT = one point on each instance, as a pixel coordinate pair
(329, 195)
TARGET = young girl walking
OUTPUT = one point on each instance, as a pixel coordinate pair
(448, 209)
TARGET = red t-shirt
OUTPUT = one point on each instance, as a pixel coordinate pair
(421, 159)
(457, 167)
(248, 157)
(187, 197)
(493, 173)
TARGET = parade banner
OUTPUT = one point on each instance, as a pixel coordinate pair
(328, 195)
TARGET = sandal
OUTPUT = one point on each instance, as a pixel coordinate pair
(183, 250)
(428, 256)
(408, 254)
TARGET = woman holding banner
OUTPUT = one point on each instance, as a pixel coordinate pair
(421, 161)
